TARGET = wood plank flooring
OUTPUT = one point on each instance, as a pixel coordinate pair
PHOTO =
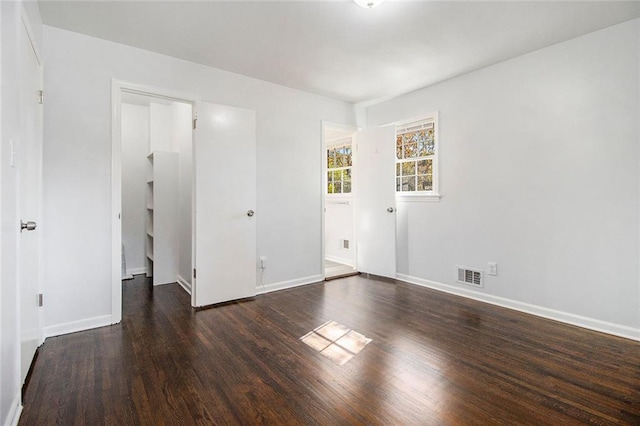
(434, 359)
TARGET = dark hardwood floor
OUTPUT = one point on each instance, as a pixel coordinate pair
(434, 359)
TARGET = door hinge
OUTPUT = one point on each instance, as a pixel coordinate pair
(195, 122)
(40, 299)
(40, 96)
(194, 272)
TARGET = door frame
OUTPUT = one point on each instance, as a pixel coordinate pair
(354, 187)
(117, 88)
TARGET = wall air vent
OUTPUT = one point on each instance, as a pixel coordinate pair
(345, 244)
(470, 276)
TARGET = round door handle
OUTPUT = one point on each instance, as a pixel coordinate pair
(250, 213)
(391, 209)
(29, 226)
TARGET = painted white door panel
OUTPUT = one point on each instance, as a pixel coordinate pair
(225, 193)
(29, 197)
(376, 218)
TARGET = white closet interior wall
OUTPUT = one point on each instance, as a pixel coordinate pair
(135, 147)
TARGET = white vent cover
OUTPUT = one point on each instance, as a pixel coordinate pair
(470, 276)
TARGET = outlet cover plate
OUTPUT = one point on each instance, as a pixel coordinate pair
(492, 269)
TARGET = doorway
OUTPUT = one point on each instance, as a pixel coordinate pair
(136, 102)
(339, 188)
(157, 176)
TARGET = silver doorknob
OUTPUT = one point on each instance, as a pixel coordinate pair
(391, 209)
(29, 226)
(250, 213)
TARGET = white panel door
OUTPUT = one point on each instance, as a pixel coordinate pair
(29, 200)
(225, 198)
(376, 218)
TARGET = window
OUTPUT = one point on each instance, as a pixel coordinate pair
(339, 162)
(416, 146)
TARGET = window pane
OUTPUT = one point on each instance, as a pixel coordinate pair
(425, 183)
(410, 150)
(399, 147)
(425, 167)
(337, 187)
(346, 181)
(397, 169)
(430, 142)
(331, 160)
(347, 156)
(337, 175)
(339, 157)
(397, 184)
(409, 183)
(409, 168)
(330, 188)
(329, 176)
(422, 144)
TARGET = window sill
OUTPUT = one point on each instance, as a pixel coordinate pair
(418, 198)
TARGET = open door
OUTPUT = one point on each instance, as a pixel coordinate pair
(376, 218)
(29, 201)
(225, 198)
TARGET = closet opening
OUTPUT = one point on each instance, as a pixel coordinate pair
(156, 158)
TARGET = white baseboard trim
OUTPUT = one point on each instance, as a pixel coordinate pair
(282, 285)
(137, 271)
(184, 284)
(74, 326)
(343, 260)
(13, 417)
(565, 317)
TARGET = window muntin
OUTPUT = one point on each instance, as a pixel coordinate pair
(339, 165)
(415, 157)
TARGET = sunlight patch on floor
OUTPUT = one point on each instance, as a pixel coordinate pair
(336, 342)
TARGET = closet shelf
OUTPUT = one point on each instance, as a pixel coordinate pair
(162, 191)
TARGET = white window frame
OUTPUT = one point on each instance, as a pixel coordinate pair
(434, 194)
(342, 141)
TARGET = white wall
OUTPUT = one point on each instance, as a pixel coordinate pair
(77, 165)
(539, 173)
(338, 227)
(10, 131)
(160, 132)
(135, 147)
(9, 320)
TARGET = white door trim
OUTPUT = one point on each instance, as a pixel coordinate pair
(349, 128)
(117, 87)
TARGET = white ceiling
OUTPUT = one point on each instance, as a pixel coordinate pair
(336, 48)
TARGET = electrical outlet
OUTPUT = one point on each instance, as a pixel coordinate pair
(263, 262)
(493, 268)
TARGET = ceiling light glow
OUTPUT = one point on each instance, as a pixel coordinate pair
(368, 4)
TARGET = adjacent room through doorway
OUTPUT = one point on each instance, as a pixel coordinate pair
(339, 202)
